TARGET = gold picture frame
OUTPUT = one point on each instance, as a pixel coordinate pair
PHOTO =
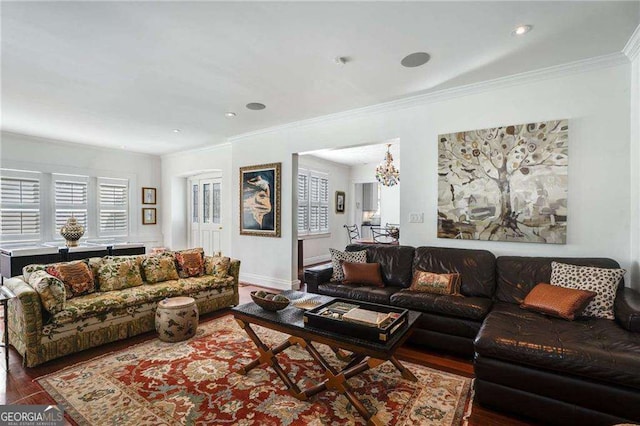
(260, 200)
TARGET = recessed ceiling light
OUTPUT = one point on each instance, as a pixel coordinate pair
(256, 106)
(176, 130)
(415, 59)
(229, 114)
(521, 30)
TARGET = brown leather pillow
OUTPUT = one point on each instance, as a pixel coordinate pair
(560, 302)
(430, 282)
(362, 274)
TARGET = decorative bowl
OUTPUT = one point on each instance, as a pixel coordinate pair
(269, 305)
(306, 305)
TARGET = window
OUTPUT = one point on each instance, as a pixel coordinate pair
(113, 206)
(70, 200)
(20, 212)
(313, 202)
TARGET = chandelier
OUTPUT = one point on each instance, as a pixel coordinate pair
(386, 172)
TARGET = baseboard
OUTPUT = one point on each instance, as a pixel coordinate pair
(316, 259)
(269, 282)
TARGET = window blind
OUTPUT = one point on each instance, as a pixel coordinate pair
(20, 212)
(70, 199)
(313, 202)
(113, 199)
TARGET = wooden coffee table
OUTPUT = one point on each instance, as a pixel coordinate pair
(365, 354)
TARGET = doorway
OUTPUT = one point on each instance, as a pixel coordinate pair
(205, 212)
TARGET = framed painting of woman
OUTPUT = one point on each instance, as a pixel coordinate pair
(260, 200)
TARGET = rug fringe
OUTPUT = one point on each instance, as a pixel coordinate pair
(467, 412)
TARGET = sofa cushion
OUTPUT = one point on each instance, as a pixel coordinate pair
(430, 282)
(159, 268)
(517, 275)
(362, 274)
(472, 308)
(76, 276)
(190, 263)
(395, 262)
(50, 289)
(603, 281)
(217, 265)
(594, 348)
(363, 293)
(559, 302)
(119, 275)
(102, 303)
(476, 267)
(337, 257)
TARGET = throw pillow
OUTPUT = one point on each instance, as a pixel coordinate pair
(350, 256)
(601, 280)
(190, 263)
(362, 274)
(217, 265)
(430, 282)
(560, 302)
(50, 289)
(119, 275)
(159, 268)
(30, 269)
(76, 276)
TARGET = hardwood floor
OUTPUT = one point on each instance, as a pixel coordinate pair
(18, 386)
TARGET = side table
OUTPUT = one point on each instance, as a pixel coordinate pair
(5, 296)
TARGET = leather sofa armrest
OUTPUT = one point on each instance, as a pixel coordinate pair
(627, 309)
(317, 275)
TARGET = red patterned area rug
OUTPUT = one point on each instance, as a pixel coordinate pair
(192, 382)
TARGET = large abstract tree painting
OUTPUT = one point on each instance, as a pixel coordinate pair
(504, 183)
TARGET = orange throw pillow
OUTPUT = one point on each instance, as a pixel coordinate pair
(190, 264)
(362, 274)
(76, 276)
(560, 302)
(430, 282)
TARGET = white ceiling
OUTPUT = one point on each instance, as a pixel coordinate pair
(124, 74)
(358, 155)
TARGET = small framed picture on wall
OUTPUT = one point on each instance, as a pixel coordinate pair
(148, 195)
(149, 216)
(340, 201)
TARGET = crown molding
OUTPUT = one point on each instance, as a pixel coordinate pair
(557, 71)
(632, 48)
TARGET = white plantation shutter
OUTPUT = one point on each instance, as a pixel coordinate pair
(70, 199)
(20, 212)
(113, 202)
(303, 202)
(313, 202)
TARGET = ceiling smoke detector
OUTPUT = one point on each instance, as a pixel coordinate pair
(340, 60)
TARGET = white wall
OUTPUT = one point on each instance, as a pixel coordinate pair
(595, 101)
(635, 170)
(176, 168)
(50, 156)
(316, 249)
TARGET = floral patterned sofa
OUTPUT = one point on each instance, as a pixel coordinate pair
(67, 307)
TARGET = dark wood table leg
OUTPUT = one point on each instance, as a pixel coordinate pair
(406, 373)
(268, 357)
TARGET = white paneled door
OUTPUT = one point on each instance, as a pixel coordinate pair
(205, 207)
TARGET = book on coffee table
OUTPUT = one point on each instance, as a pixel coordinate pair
(366, 317)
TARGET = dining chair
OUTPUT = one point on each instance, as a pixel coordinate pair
(353, 232)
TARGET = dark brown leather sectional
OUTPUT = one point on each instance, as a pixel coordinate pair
(585, 371)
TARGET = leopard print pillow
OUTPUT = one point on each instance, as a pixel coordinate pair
(603, 281)
(349, 256)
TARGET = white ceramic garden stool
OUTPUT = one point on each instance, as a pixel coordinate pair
(177, 319)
